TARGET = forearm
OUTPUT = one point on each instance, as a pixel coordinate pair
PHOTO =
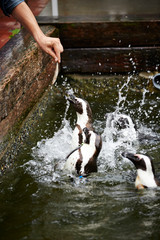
(50, 45)
(25, 16)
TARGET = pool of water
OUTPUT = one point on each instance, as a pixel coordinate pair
(39, 201)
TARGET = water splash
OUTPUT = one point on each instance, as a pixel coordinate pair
(143, 101)
(119, 134)
(49, 154)
(133, 63)
(122, 95)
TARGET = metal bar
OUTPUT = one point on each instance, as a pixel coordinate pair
(55, 8)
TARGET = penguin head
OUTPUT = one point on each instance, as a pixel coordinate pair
(122, 123)
(140, 161)
(80, 104)
(82, 108)
(145, 169)
(77, 103)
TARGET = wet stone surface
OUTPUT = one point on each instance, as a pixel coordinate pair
(25, 74)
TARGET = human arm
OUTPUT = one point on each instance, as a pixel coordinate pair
(50, 45)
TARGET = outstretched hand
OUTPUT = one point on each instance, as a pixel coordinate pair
(52, 46)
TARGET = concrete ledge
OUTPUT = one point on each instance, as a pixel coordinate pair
(25, 73)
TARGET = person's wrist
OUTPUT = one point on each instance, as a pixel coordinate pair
(39, 38)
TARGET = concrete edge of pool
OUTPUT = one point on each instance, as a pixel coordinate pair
(25, 74)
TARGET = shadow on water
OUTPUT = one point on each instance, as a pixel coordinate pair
(39, 201)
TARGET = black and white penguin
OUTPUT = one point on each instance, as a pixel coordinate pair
(84, 119)
(121, 122)
(145, 170)
(83, 159)
(118, 121)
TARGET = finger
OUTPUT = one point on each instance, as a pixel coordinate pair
(59, 45)
(58, 56)
(61, 48)
(51, 52)
(57, 52)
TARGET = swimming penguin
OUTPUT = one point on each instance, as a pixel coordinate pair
(121, 122)
(84, 119)
(83, 159)
(118, 121)
(145, 171)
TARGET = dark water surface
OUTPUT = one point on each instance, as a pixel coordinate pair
(39, 201)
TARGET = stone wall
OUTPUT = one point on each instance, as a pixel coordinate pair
(25, 73)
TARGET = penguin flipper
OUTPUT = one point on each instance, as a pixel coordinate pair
(73, 151)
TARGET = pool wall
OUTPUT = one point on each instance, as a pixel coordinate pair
(25, 73)
(110, 46)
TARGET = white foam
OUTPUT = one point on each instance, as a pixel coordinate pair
(116, 140)
(49, 154)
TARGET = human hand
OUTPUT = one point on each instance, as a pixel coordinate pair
(52, 46)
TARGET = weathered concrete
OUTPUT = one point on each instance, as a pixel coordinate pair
(25, 73)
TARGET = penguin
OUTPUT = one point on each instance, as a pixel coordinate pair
(83, 159)
(121, 122)
(145, 170)
(84, 119)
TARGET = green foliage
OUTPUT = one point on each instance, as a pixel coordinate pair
(14, 32)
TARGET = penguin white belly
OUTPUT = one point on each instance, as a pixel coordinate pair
(75, 138)
(84, 154)
(146, 179)
(87, 153)
(70, 164)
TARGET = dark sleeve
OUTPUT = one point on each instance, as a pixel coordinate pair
(7, 6)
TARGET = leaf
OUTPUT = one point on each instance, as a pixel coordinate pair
(14, 32)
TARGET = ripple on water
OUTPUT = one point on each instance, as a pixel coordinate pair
(106, 204)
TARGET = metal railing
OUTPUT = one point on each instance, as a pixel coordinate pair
(55, 8)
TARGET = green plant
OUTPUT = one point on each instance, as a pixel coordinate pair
(14, 32)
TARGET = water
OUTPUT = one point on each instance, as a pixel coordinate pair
(39, 201)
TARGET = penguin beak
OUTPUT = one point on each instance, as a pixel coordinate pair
(136, 159)
(71, 98)
(132, 157)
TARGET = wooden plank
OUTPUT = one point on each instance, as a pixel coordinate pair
(47, 20)
(25, 72)
(110, 34)
(102, 33)
(110, 60)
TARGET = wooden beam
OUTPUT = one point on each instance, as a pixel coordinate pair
(110, 60)
(102, 33)
(109, 46)
(110, 34)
